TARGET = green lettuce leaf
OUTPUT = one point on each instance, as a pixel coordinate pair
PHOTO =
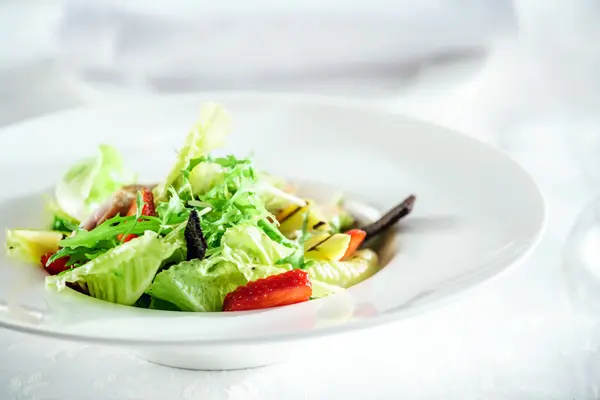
(246, 254)
(63, 225)
(91, 181)
(113, 174)
(254, 243)
(197, 285)
(208, 134)
(121, 274)
(30, 245)
(344, 273)
(205, 176)
(248, 266)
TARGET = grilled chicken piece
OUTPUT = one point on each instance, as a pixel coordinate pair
(118, 204)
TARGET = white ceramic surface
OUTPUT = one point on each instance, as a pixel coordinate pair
(477, 213)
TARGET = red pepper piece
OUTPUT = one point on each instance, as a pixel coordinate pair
(357, 236)
(148, 210)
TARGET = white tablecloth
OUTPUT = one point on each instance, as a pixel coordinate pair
(514, 338)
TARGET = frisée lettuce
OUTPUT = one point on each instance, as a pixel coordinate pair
(209, 133)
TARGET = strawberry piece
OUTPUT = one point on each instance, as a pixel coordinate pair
(277, 290)
(55, 267)
(357, 236)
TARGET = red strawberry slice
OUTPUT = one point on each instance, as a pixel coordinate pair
(357, 236)
(277, 290)
(55, 267)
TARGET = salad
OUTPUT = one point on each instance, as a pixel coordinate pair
(217, 234)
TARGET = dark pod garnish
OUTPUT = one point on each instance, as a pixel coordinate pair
(194, 238)
(391, 217)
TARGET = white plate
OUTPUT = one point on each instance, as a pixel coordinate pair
(477, 213)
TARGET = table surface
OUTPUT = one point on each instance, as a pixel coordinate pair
(514, 338)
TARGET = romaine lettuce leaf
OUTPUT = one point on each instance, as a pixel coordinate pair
(31, 244)
(249, 266)
(208, 134)
(253, 272)
(255, 244)
(246, 254)
(345, 273)
(113, 174)
(91, 181)
(121, 274)
(194, 286)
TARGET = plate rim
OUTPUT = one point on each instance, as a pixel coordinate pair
(360, 105)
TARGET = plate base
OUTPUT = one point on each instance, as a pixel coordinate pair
(215, 359)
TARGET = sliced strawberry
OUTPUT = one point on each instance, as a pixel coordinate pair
(278, 290)
(357, 236)
(55, 267)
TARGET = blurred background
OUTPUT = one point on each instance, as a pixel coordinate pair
(523, 75)
(93, 49)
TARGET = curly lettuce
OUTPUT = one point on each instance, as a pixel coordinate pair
(232, 202)
(205, 176)
(209, 133)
